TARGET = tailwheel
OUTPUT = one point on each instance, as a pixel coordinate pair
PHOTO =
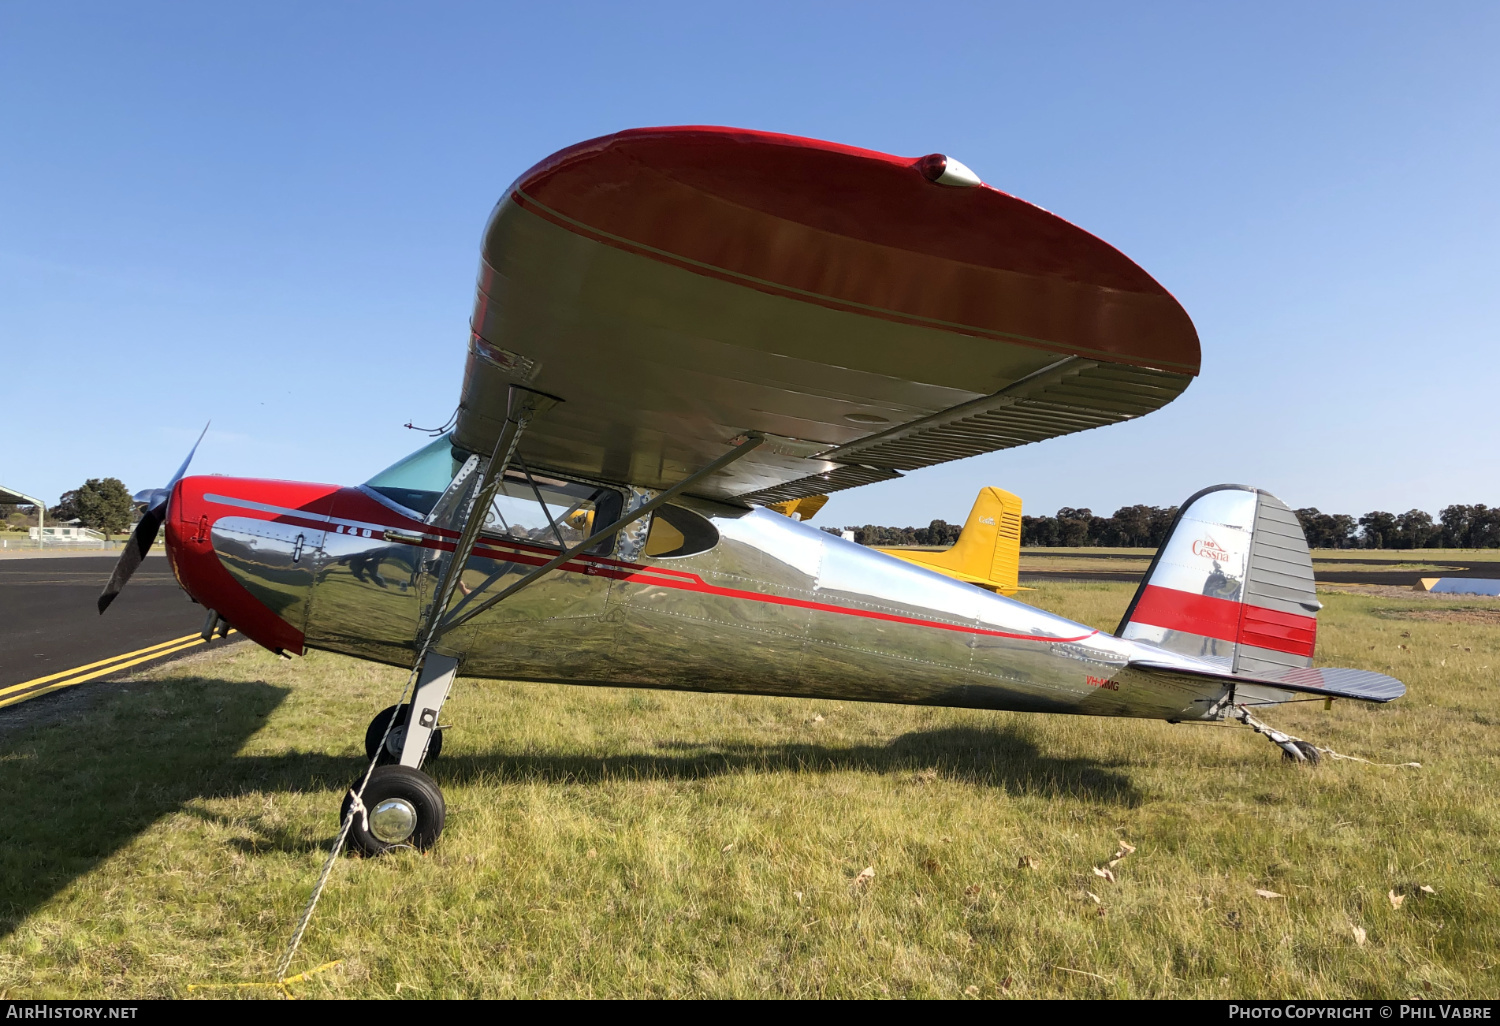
(403, 808)
(376, 730)
(1308, 750)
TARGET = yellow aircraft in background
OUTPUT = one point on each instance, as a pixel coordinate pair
(988, 550)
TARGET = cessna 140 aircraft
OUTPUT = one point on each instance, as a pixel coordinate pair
(677, 329)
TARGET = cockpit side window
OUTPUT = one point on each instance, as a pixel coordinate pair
(569, 511)
(679, 532)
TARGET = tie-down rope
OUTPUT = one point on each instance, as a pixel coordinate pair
(1287, 742)
(356, 807)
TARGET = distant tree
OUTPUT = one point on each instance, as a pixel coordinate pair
(1457, 526)
(1037, 531)
(940, 532)
(1456, 521)
(1104, 531)
(1377, 530)
(104, 505)
(871, 534)
(1161, 525)
(1415, 530)
(1327, 530)
(1131, 526)
(1073, 526)
(19, 517)
(1470, 527)
(1308, 517)
(1485, 533)
(66, 508)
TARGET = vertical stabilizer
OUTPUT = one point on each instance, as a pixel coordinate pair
(988, 550)
(1233, 584)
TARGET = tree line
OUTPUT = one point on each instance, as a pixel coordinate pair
(1456, 527)
(105, 505)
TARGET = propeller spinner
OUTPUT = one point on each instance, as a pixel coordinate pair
(144, 535)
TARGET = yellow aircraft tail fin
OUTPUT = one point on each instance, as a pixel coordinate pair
(988, 550)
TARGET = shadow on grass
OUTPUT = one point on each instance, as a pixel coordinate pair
(1005, 759)
(91, 770)
(84, 781)
(1002, 759)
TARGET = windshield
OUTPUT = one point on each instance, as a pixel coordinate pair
(419, 480)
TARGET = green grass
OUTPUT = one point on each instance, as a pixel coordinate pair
(609, 842)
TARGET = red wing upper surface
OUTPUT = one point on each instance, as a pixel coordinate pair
(677, 287)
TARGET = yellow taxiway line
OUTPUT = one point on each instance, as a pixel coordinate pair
(17, 693)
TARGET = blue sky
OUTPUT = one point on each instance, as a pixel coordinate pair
(269, 215)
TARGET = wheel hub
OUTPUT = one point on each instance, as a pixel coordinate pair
(393, 820)
(396, 740)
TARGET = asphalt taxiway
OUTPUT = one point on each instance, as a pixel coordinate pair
(51, 633)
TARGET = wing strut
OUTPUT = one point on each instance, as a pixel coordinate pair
(522, 407)
(744, 448)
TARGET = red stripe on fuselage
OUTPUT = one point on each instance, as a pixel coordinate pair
(634, 573)
(1226, 620)
(630, 573)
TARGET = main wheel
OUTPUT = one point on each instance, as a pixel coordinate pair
(1309, 752)
(376, 730)
(403, 808)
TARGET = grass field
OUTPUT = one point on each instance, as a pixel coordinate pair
(603, 842)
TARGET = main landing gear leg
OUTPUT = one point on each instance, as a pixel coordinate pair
(432, 691)
(421, 724)
(403, 807)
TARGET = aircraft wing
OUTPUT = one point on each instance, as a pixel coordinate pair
(679, 287)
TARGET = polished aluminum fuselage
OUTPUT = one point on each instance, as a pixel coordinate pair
(775, 608)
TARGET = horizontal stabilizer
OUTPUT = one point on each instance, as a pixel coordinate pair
(1329, 682)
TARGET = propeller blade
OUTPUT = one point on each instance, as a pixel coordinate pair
(183, 469)
(145, 532)
(135, 551)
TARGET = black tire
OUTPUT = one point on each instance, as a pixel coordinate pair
(396, 793)
(376, 730)
(1309, 752)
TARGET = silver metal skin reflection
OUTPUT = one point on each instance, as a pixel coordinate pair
(393, 820)
(776, 607)
(275, 562)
